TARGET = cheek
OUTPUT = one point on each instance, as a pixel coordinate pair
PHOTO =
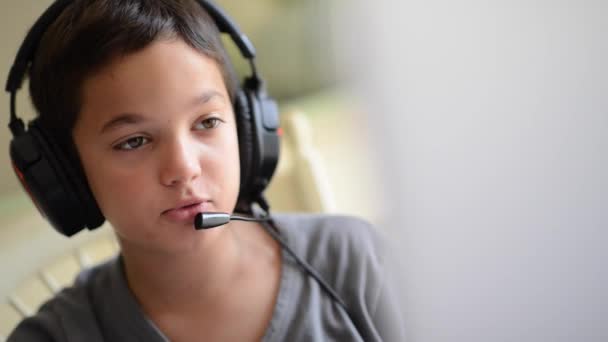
(232, 159)
(227, 171)
(114, 188)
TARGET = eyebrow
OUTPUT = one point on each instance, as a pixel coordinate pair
(133, 118)
(207, 96)
(122, 119)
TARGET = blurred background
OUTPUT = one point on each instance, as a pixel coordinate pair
(473, 133)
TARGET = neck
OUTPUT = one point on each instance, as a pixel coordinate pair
(186, 279)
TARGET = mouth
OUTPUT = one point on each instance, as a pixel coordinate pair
(186, 213)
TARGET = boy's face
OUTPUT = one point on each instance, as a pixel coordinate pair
(157, 132)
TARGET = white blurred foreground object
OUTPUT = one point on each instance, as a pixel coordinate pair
(38, 262)
(491, 121)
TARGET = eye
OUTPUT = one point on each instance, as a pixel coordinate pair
(208, 123)
(132, 143)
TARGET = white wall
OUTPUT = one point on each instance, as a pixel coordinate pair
(491, 123)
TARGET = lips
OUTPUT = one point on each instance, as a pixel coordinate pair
(186, 213)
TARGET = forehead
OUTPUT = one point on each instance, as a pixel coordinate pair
(165, 76)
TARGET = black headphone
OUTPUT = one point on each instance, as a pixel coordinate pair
(61, 192)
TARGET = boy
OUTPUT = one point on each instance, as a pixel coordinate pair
(139, 97)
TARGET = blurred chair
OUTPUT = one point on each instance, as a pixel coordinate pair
(40, 262)
(300, 182)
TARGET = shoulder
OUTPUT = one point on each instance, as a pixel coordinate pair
(354, 257)
(348, 251)
(306, 231)
(67, 316)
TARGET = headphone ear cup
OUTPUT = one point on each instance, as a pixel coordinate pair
(52, 183)
(258, 129)
(244, 122)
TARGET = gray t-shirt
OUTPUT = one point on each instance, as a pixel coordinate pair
(346, 252)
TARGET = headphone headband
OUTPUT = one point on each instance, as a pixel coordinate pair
(26, 52)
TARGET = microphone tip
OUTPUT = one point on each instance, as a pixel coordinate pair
(198, 221)
(210, 220)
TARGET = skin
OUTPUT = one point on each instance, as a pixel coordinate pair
(157, 128)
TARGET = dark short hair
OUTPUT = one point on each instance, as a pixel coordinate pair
(90, 34)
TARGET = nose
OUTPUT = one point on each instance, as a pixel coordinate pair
(180, 163)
